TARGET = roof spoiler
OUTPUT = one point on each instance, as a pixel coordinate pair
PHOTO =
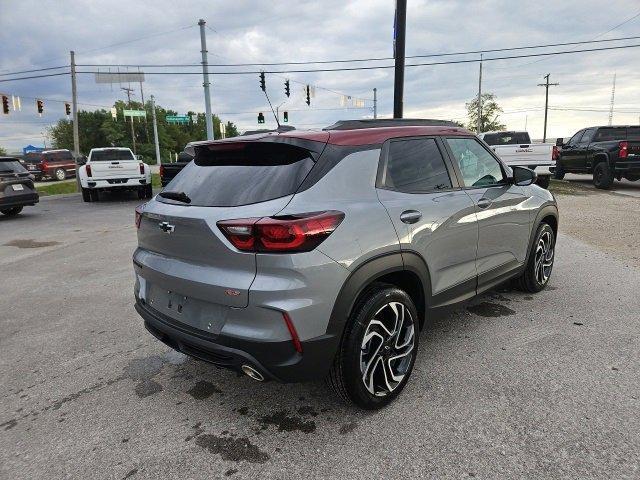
(389, 122)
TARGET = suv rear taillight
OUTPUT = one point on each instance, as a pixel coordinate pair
(139, 210)
(292, 233)
(141, 168)
(43, 166)
(624, 149)
(555, 153)
(161, 170)
(88, 168)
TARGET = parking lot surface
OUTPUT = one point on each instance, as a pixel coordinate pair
(507, 386)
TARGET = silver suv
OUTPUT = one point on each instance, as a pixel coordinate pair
(300, 255)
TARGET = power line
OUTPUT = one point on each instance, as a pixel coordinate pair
(356, 60)
(34, 70)
(34, 76)
(379, 67)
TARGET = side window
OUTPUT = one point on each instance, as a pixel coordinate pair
(416, 166)
(574, 140)
(586, 138)
(478, 167)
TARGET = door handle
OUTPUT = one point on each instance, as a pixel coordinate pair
(410, 216)
(484, 203)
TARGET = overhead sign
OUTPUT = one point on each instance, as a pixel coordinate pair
(177, 118)
(134, 113)
(119, 77)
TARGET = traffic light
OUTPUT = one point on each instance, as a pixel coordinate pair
(285, 117)
(5, 104)
(67, 108)
(287, 90)
(40, 105)
(263, 85)
(260, 118)
(308, 95)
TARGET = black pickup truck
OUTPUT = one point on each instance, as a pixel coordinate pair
(170, 170)
(607, 153)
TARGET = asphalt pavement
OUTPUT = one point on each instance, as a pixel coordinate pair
(510, 385)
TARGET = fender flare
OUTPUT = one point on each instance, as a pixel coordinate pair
(547, 210)
(368, 273)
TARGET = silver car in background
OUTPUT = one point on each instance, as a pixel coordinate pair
(300, 255)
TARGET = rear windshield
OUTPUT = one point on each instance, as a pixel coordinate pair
(633, 133)
(610, 133)
(111, 155)
(11, 166)
(507, 138)
(242, 173)
(33, 157)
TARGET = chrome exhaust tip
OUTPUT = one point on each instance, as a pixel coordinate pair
(252, 372)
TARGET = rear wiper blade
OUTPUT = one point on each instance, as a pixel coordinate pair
(178, 196)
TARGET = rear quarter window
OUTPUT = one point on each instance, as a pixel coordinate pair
(607, 134)
(242, 173)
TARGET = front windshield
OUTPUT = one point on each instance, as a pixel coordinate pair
(11, 166)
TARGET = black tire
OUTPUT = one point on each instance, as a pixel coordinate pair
(559, 172)
(148, 191)
(141, 192)
(532, 280)
(543, 181)
(346, 377)
(86, 195)
(60, 174)
(11, 212)
(95, 196)
(602, 176)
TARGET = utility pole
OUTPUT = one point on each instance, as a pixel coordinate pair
(613, 96)
(155, 131)
(133, 136)
(375, 103)
(205, 83)
(74, 111)
(546, 103)
(399, 38)
(479, 122)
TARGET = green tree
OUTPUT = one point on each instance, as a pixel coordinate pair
(100, 129)
(2, 151)
(490, 113)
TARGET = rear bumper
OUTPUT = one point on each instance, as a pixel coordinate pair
(274, 360)
(8, 201)
(115, 183)
(632, 167)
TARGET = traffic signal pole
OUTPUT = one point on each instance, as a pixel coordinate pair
(205, 80)
(74, 111)
(398, 82)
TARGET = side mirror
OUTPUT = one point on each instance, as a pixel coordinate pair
(81, 160)
(184, 157)
(523, 176)
(139, 157)
(559, 141)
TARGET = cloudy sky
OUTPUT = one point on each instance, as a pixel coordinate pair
(40, 34)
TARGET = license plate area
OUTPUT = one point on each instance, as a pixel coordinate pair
(18, 187)
(206, 316)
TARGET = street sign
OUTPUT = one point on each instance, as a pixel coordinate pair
(134, 113)
(177, 118)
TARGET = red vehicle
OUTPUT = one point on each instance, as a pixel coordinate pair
(50, 164)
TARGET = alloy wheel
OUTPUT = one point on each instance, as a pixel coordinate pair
(544, 258)
(387, 349)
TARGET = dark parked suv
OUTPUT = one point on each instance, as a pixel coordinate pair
(16, 187)
(51, 164)
(297, 255)
(607, 153)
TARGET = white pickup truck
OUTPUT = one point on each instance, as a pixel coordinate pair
(114, 168)
(516, 149)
